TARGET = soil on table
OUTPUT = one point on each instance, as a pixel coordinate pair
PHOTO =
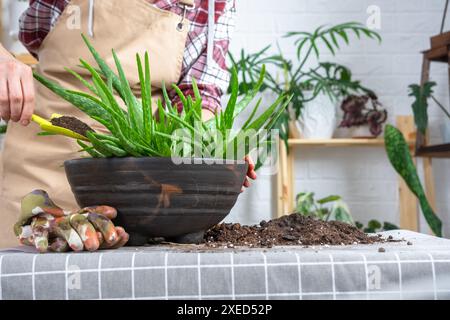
(294, 229)
(71, 123)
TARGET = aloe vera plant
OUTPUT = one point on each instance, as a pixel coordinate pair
(400, 158)
(137, 132)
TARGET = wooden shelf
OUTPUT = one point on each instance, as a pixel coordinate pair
(434, 151)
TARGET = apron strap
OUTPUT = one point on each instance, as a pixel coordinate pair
(188, 3)
(91, 18)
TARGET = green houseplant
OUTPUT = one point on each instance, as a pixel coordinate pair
(328, 208)
(332, 80)
(133, 168)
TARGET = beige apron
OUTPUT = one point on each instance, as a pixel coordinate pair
(130, 27)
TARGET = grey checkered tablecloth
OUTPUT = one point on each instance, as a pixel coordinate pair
(421, 270)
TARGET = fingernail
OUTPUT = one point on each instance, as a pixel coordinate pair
(25, 122)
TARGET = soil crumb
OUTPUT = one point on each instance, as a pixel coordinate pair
(71, 123)
(294, 229)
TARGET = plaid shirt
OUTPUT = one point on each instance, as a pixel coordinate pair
(37, 21)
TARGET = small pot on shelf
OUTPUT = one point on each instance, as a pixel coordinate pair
(318, 118)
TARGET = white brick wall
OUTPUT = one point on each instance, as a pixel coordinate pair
(362, 176)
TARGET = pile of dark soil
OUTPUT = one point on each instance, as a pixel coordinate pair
(294, 229)
(71, 123)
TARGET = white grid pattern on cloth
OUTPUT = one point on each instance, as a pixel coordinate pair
(265, 290)
(66, 276)
(133, 292)
(199, 275)
(166, 278)
(366, 274)
(333, 276)
(243, 265)
(399, 274)
(99, 270)
(33, 276)
(266, 275)
(233, 288)
(292, 295)
(299, 271)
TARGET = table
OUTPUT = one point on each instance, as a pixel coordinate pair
(420, 270)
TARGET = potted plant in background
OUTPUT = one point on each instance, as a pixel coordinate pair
(132, 167)
(364, 114)
(308, 206)
(315, 91)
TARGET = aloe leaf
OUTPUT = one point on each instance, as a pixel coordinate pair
(252, 115)
(82, 80)
(272, 123)
(98, 145)
(262, 119)
(107, 71)
(180, 94)
(90, 150)
(231, 106)
(127, 145)
(102, 87)
(86, 105)
(146, 94)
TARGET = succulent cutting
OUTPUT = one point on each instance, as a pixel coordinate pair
(136, 131)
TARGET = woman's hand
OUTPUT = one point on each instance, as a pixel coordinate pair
(16, 89)
(251, 174)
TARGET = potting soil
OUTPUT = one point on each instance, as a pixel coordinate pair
(293, 229)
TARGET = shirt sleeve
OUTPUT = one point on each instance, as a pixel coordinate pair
(37, 21)
(212, 79)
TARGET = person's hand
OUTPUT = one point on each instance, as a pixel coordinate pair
(47, 227)
(16, 89)
(251, 174)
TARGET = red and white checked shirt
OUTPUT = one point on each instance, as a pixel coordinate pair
(37, 21)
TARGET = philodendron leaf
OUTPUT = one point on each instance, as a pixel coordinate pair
(420, 105)
(398, 153)
(305, 202)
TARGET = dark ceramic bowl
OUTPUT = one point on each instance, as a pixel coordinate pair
(155, 197)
